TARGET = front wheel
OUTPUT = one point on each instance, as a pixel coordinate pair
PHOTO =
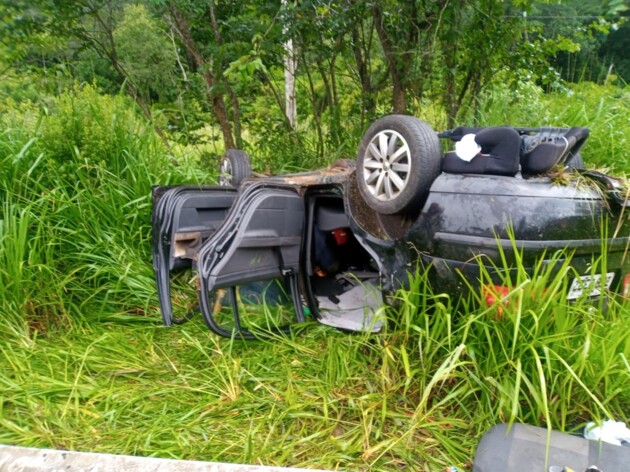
(235, 167)
(398, 160)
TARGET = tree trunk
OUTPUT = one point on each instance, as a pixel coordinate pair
(290, 65)
(317, 114)
(336, 126)
(218, 104)
(399, 99)
(362, 60)
(236, 108)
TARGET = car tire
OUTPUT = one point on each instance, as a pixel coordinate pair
(576, 162)
(235, 167)
(398, 160)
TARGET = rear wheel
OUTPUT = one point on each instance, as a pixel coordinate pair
(398, 160)
(234, 168)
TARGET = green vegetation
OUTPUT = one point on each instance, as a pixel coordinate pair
(213, 73)
(86, 364)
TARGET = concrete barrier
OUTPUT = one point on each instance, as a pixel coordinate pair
(29, 459)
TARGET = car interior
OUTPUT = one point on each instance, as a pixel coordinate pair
(538, 151)
(342, 276)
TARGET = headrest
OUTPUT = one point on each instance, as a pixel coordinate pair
(328, 218)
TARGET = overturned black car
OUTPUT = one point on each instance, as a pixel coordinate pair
(334, 241)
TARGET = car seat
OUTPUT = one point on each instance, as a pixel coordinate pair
(539, 151)
(543, 151)
(500, 152)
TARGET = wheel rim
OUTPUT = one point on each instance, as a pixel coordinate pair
(387, 165)
(225, 173)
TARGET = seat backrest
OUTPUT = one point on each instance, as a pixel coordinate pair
(331, 217)
(543, 151)
(579, 134)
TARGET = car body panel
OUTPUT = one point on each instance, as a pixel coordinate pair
(262, 241)
(463, 220)
(182, 218)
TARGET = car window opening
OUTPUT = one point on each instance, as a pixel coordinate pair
(343, 277)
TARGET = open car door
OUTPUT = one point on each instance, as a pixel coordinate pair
(258, 247)
(183, 218)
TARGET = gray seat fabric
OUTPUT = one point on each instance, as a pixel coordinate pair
(541, 153)
(524, 448)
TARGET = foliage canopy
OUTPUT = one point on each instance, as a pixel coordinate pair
(221, 63)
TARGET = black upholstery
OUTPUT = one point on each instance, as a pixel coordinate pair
(537, 150)
(544, 157)
(459, 132)
(500, 154)
(580, 134)
(331, 217)
(552, 151)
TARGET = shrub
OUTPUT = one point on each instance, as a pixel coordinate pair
(85, 127)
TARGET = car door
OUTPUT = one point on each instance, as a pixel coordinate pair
(183, 218)
(259, 243)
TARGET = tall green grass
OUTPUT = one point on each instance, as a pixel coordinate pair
(418, 395)
(86, 366)
(75, 216)
(604, 109)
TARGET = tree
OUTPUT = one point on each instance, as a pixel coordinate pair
(356, 59)
(445, 50)
(369, 75)
(399, 27)
(145, 52)
(21, 30)
(582, 35)
(90, 24)
(476, 41)
(290, 66)
(180, 25)
(614, 52)
(223, 37)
